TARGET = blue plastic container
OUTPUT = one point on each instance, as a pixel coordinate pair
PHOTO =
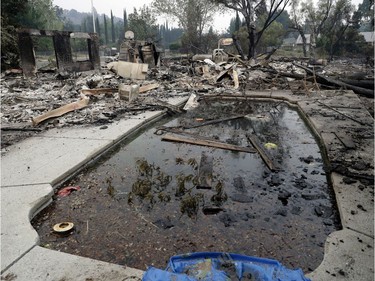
(207, 266)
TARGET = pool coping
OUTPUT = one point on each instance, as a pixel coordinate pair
(32, 169)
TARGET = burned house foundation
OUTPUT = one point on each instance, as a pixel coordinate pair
(110, 113)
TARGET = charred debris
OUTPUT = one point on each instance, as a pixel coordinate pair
(99, 90)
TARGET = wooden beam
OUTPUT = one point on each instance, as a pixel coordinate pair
(209, 143)
(148, 87)
(329, 81)
(255, 142)
(214, 121)
(235, 79)
(97, 91)
(62, 110)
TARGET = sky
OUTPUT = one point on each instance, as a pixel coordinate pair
(221, 22)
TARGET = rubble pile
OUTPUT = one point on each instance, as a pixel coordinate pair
(52, 100)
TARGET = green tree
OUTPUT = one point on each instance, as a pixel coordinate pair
(316, 17)
(84, 25)
(70, 26)
(252, 11)
(336, 24)
(285, 20)
(143, 23)
(40, 14)
(354, 43)
(97, 25)
(272, 37)
(232, 25)
(365, 15)
(12, 11)
(105, 29)
(210, 41)
(112, 28)
(298, 23)
(193, 16)
(237, 23)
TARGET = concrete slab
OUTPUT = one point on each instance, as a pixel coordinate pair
(18, 204)
(348, 256)
(258, 94)
(288, 96)
(113, 132)
(331, 141)
(321, 122)
(356, 204)
(46, 160)
(45, 265)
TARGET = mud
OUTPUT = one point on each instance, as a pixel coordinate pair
(141, 205)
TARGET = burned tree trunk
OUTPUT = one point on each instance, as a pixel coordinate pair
(238, 46)
(251, 42)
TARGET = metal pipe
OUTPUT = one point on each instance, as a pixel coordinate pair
(93, 16)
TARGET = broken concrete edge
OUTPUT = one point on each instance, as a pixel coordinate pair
(342, 251)
(43, 199)
(353, 208)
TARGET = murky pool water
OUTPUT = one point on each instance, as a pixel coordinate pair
(152, 199)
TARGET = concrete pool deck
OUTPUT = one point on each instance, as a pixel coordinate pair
(31, 169)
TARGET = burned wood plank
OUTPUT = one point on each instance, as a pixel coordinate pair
(209, 143)
(177, 131)
(235, 79)
(329, 81)
(61, 110)
(263, 154)
(363, 83)
(205, 171)
(97, 91)
(148, 87)
(214, 122)
(196, 136)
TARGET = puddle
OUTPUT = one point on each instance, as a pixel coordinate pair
(152, 199)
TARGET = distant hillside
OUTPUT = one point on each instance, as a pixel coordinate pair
(77, 17)
(74, 16)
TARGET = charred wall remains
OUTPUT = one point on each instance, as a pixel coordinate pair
(62, 48)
